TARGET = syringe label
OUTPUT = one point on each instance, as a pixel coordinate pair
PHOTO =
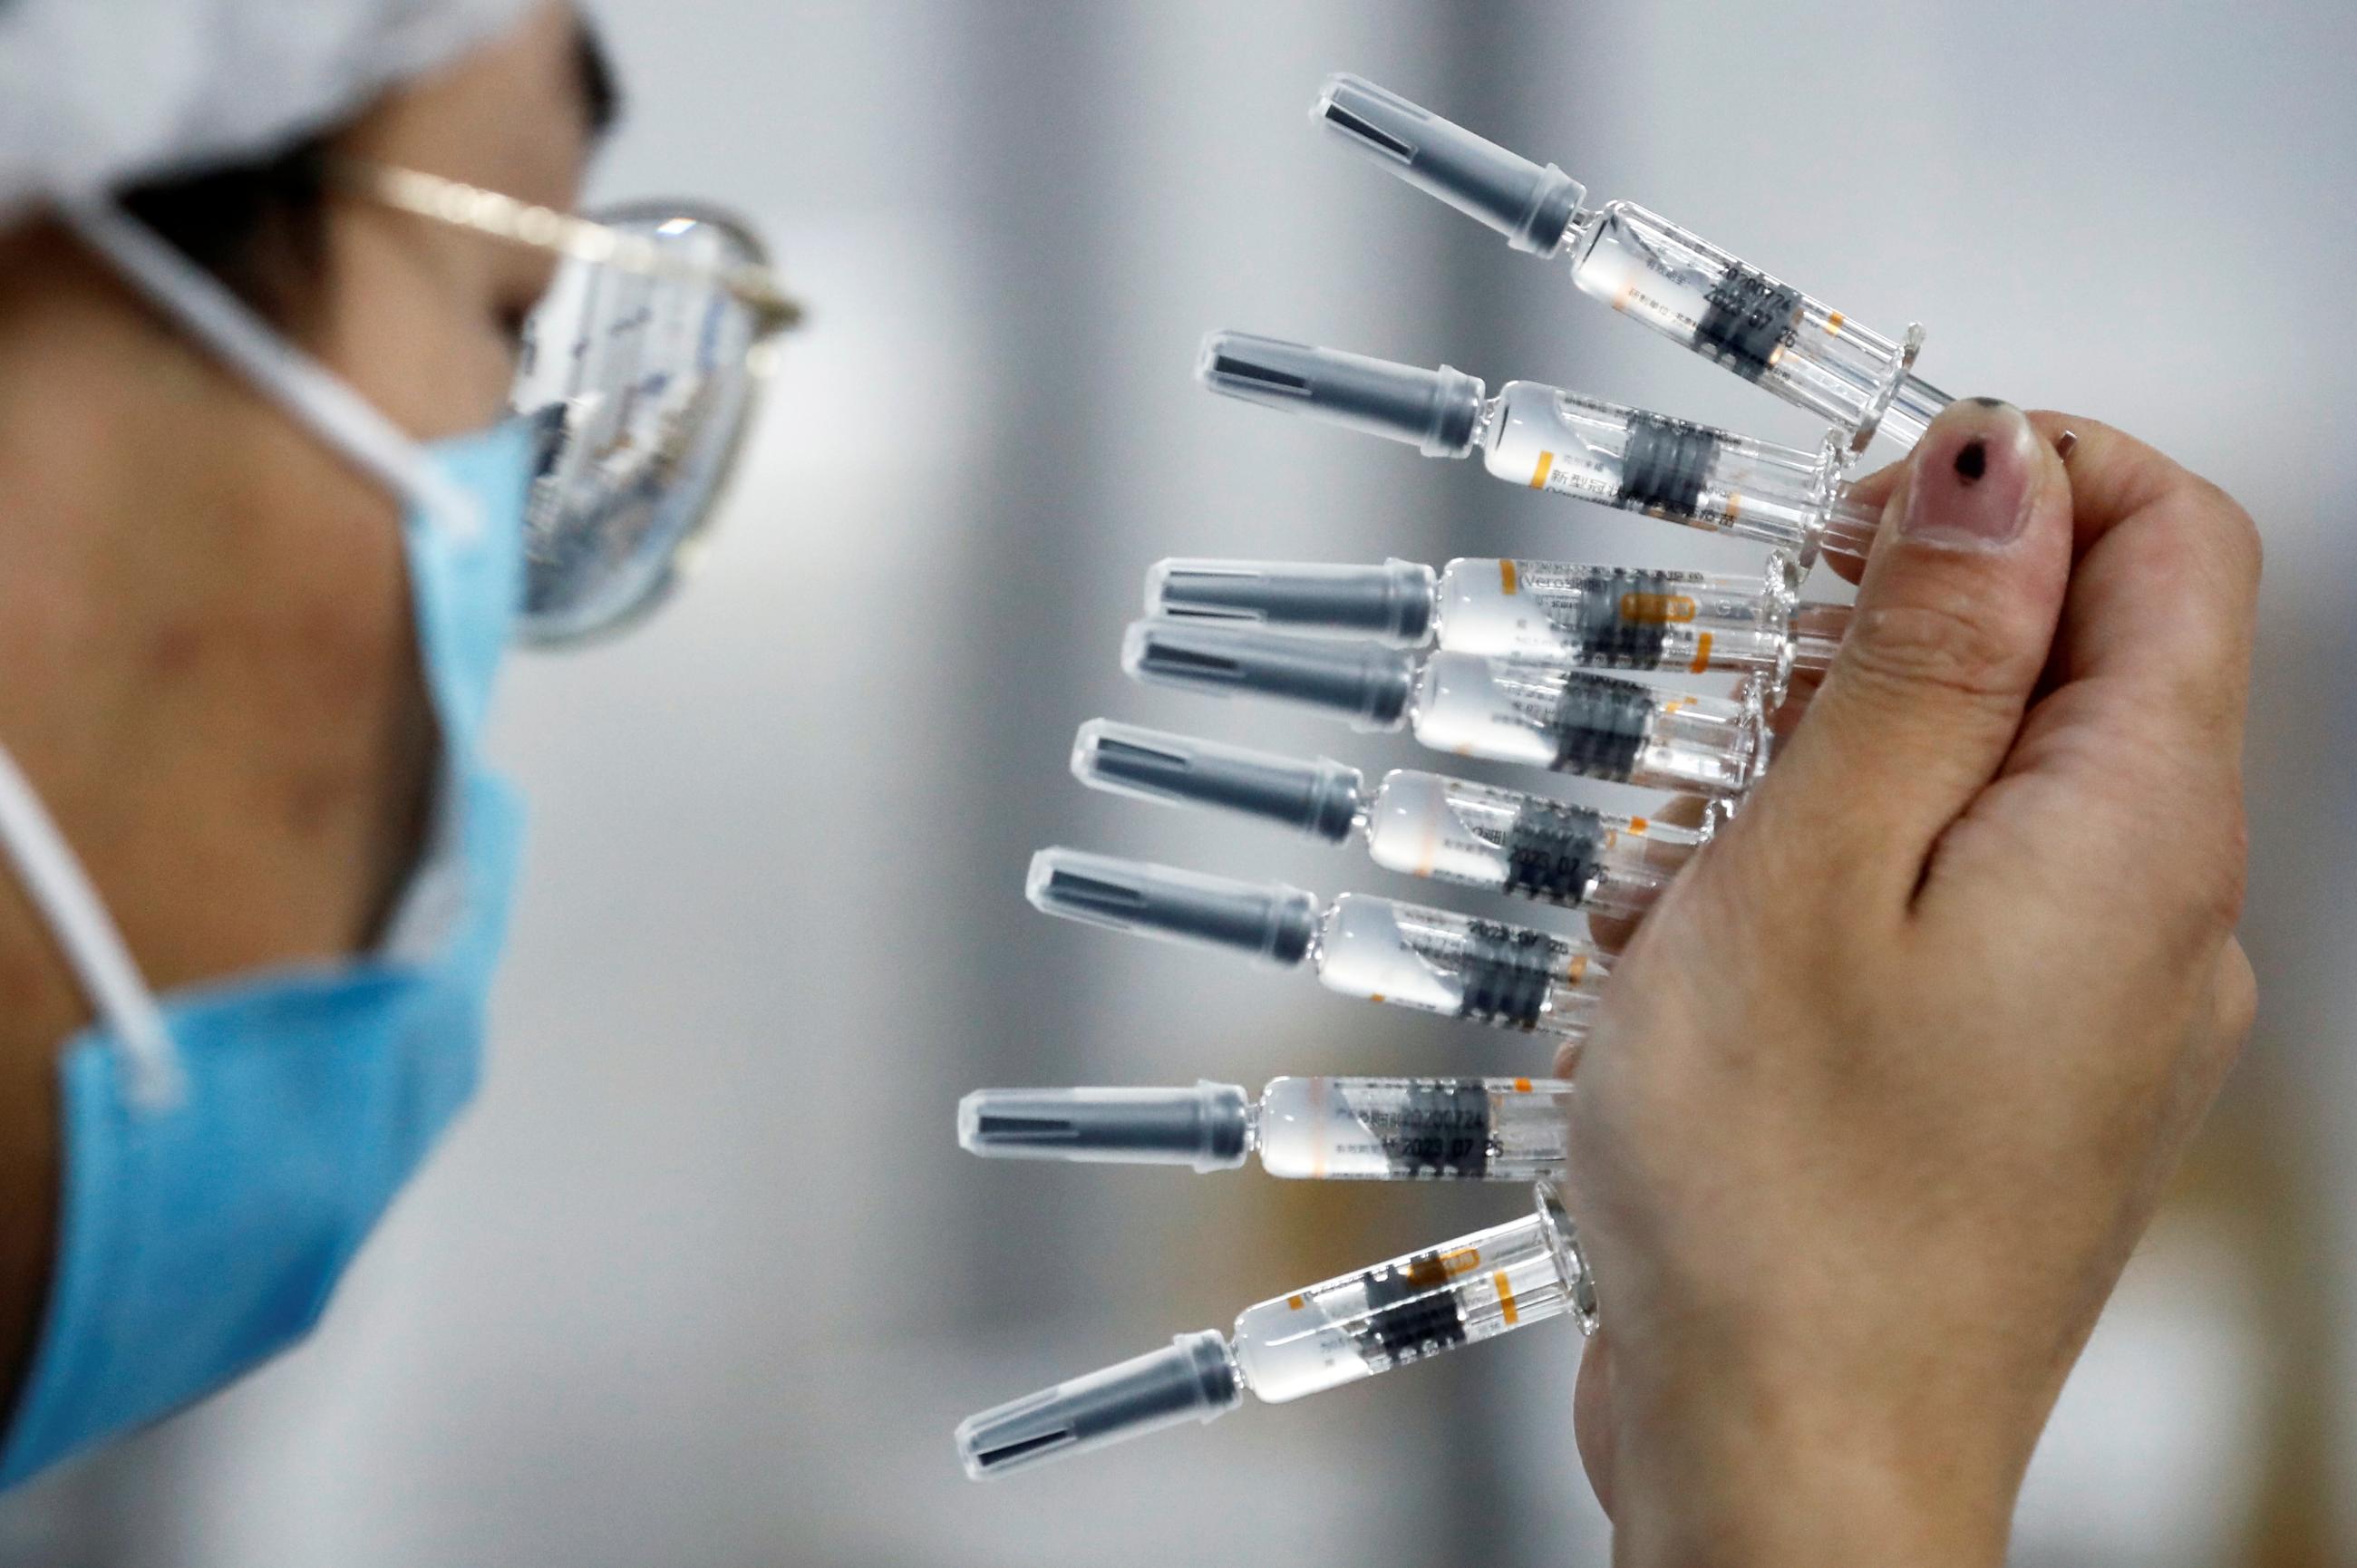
(1412, 1312)
(1440, 1130)
(1599, 726)
(1749, 317)
(1508, 972)
(1621, 618)
(1664, 465)
(1553, 851)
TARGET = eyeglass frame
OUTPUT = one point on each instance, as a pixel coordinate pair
(755, 285)
(459, 205)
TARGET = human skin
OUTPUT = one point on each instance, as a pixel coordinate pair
(213, 681)
(1887, 1085)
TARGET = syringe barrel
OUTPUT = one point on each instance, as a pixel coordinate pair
(1319, 797)
(1589, 724)
(1437, 961)
(1818, 627)
(1268, 921)
(1765, 331)
(1414, 1129)
(1531, 205)
(1208, 1126)
(1461, 1292)
(1436, 411)
(1351, 678)
(1193, 1380)
(1391, 603)
(1645, 266)
(1617, 617)
(1572, 445)
(1502, 840)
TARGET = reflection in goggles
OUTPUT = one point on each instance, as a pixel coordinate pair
(641, 387)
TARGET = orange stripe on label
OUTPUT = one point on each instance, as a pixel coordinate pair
(1702, 654)
(1463, 1260)
(1661, 609)
(1578, 968)
(1546, 467)
(1734, 506)
(1833, 325)
(1508, 583)
(1637, 824)
(1522, 1086)
(1294, 1302)
(1506, 1298)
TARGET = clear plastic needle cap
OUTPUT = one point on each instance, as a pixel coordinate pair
(1529, 204)
(1364, 682)
(1437, 411)
(1266, 920)
(1393, 601)
(1205, 1127)
(1319, 797)
(1192, 1381)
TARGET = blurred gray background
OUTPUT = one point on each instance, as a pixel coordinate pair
(703, 1278)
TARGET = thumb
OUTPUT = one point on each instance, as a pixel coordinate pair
(1955, 617)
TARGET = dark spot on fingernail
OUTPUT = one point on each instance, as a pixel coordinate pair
(1990, 402)
(1972, 460)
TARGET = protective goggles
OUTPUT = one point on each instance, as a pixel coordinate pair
(641, 370)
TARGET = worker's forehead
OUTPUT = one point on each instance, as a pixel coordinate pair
(519, 116)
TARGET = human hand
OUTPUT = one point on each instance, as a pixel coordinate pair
(1887, 1085)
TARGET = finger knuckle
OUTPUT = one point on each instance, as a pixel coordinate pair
(2228, 528)
(1944, 647)
(2238, 1000)
(2229, 878)
(2243, 539)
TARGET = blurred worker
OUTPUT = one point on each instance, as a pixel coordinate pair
(268, 278)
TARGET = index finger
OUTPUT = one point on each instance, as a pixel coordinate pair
(2163, 593)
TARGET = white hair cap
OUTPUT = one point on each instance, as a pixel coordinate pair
(95, 94)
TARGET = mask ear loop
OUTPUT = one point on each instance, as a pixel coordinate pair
(47, 865)
(222, 322)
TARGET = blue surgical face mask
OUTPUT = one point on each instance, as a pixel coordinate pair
(227, 1148)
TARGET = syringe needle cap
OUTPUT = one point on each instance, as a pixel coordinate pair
(1393, 601)
(1205, 1126)
(1529, 203)
(1320, 798)
(1437, 411)
(1193, 1380)
(1266, 920)
(1364, 682)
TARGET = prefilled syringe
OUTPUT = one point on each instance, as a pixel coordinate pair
(1645, 266)
(1430, 960)
(1609, 618)
(1321, 1337)
(1548, 439)
(1568, 721)
(1419, 823)
(1321, 1129)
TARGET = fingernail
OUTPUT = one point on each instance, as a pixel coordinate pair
(1972, 480)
